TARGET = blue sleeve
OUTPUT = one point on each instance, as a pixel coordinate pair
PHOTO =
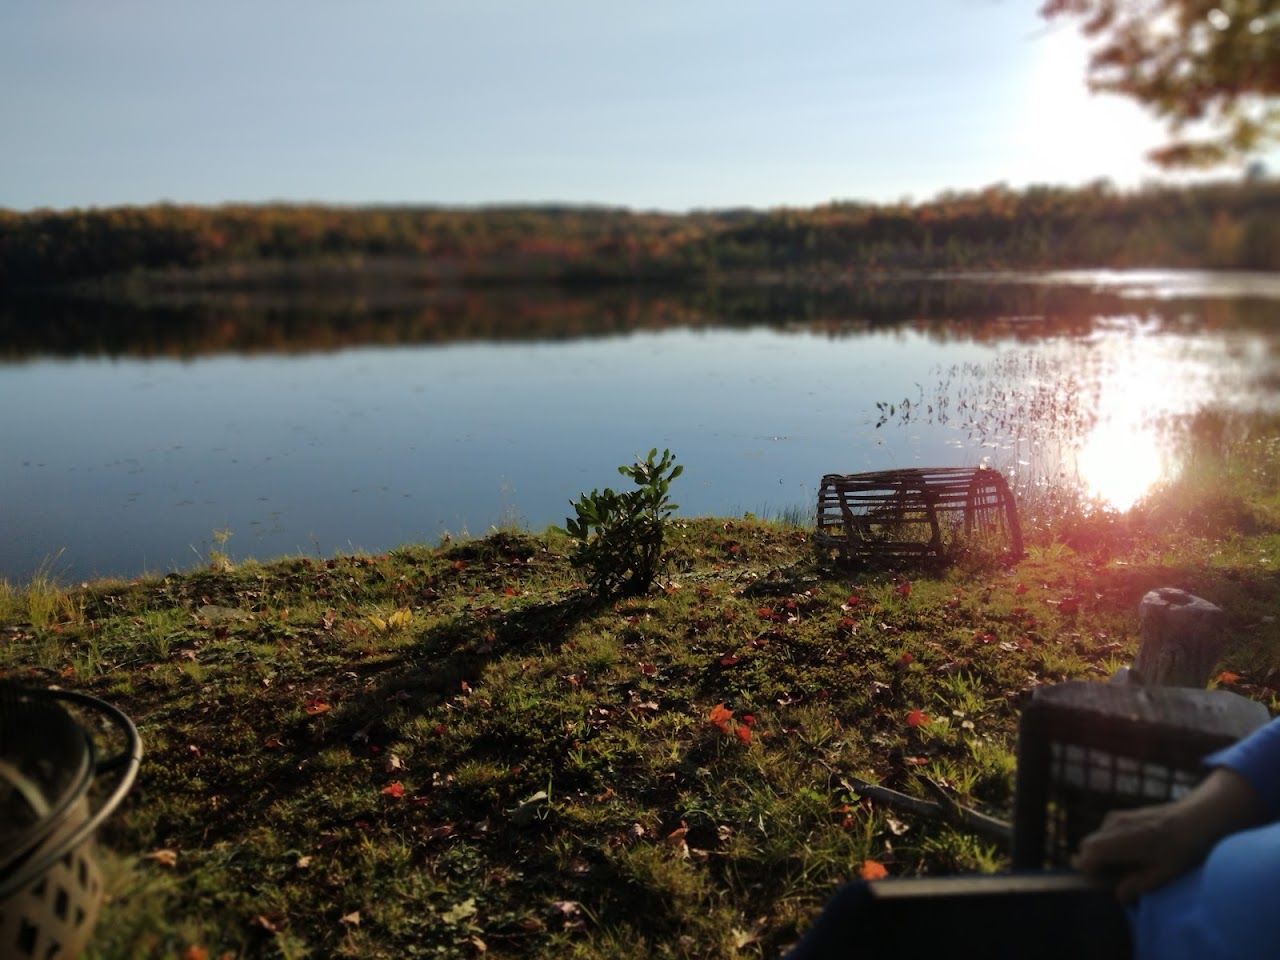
(1257, 759)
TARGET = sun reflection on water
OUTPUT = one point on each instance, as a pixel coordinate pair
(1144, 382)
(1120, 462)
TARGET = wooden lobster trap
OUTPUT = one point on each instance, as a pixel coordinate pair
(921, 513)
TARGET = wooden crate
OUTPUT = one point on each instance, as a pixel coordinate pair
(921, 513)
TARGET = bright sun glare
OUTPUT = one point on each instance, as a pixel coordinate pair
(1125, 454)
(1120, 461)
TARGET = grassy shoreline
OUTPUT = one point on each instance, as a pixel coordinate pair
(450, 751)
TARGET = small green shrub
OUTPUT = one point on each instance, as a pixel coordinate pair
(619, 535)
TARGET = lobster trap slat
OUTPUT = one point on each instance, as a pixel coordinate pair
(921, 512)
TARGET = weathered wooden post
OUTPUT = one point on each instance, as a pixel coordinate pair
(1181, 639)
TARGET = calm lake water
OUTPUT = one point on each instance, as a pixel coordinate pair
(314, 424)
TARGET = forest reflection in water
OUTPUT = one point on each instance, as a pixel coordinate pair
(309, 421)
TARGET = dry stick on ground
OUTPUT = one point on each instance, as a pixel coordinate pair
(944, 809)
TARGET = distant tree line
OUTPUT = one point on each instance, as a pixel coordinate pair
(1222, 225)
(35, 326)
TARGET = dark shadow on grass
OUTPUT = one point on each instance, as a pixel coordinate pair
(432, 669)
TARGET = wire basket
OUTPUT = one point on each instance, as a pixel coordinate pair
(50, 886)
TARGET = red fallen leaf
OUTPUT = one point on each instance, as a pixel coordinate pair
(749, 719)
(728, 660)
(720, 716)
(872, 870)
(915, 761)
(510, 592)
(439, 729)
(766, 613)
(676, 836)
(917, 718)
(986, 638)
(459, 564)
(903, 589)
(1020, 589)
(1069, 606)
(195, 952)
(273, 742)
(906, 659)
(791, 605)
(648, 669)
(316, 707)
(1227, 676)
(394, 789)
(853, 600)
(743, 734)
(735, 547)
(847, 623)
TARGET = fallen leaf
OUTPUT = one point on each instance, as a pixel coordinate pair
(316, 707)
(743, 734)
(729, 660)
(195, 952)
(524, 813)
(917, 718)
(394, 789)
(906, 659)
(162, 858)
(872, 870)
(303, 862)
(648, 669)
(393, 764)
(903, 589)
(460, 911)
(351, 919)
(720, 716)
(1227, 676)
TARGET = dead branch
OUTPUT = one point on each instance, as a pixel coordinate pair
(945, 809)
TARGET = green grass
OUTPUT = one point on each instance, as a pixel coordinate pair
(562, 790)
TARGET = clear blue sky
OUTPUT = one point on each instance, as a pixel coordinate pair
(666, 104)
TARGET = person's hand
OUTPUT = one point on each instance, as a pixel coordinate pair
(1139, 850)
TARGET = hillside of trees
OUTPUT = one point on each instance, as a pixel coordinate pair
(1233, 225)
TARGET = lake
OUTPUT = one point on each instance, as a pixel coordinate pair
(301, 422)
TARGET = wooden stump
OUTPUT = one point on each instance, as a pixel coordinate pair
(1182, 638)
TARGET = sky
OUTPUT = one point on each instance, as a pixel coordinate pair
(655, 105)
